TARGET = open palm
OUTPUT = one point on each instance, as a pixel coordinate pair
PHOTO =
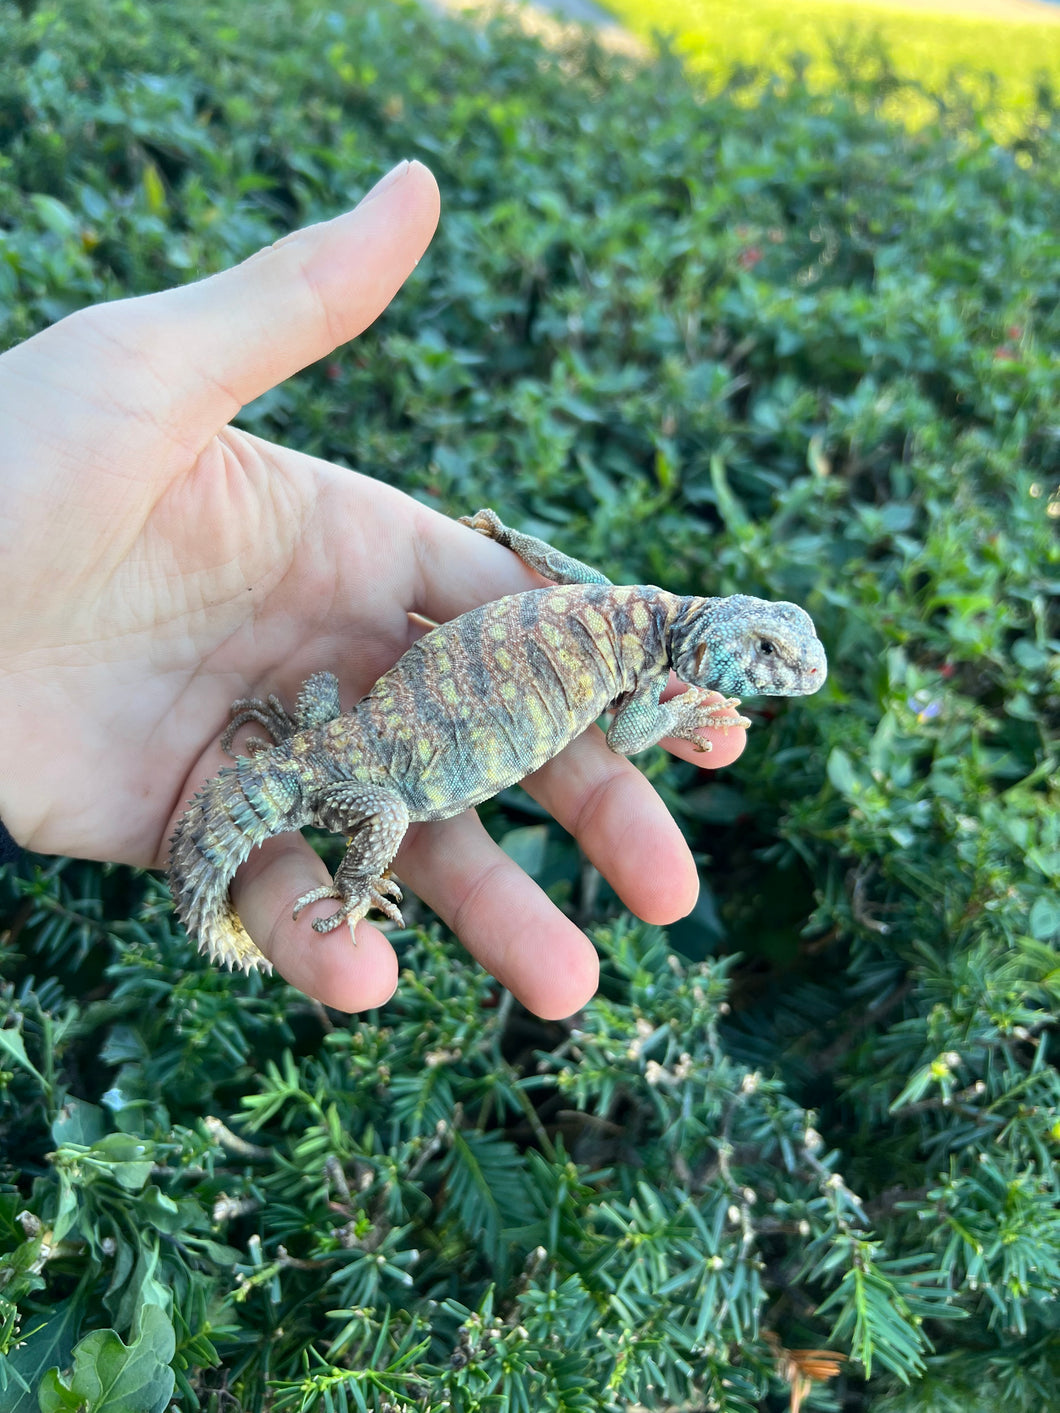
(158, 563)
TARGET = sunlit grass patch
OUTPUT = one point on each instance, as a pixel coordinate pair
(975, 65)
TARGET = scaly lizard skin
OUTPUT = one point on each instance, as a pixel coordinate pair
(470, 709)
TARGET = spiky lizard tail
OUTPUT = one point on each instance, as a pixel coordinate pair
(231, 815)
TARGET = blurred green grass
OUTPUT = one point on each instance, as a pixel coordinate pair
(992, 69)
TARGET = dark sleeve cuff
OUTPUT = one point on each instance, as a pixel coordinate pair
(9, 850)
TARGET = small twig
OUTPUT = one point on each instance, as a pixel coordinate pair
(222, 1134)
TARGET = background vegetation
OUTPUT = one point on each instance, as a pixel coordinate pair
(783, 346)
(984, 68)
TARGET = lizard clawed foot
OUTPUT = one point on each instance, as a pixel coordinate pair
(717, 716)
(380, 893)
(270, 713)
(486, 522)
(699, 709)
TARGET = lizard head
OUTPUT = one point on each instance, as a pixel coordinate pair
(747, 647)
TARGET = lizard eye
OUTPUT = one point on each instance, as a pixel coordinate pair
(765, 647)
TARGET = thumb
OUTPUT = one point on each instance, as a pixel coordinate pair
(246, 329)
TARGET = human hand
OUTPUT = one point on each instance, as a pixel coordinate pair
(157, 563)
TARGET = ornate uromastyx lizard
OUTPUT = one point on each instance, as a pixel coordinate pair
(473, 707)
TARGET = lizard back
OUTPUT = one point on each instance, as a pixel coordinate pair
(481, 702)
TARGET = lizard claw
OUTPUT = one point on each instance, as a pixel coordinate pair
(380, 893)
(387, 908)
(388, 886)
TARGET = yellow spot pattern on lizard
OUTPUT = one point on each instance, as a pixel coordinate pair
(595, 622)
(632, 649)
(584, 686)
(536, 714)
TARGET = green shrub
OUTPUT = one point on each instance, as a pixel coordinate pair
(786, 349)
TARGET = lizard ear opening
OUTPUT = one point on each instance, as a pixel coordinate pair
(700, 654)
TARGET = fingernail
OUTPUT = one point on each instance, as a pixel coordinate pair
(381, 185)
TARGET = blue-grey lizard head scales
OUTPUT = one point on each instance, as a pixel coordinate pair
(746, 647)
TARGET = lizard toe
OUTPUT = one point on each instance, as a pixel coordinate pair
(352, 910)
(386, 907)
(486, 522)
(329, 924)
(314, 896)
(389, 886)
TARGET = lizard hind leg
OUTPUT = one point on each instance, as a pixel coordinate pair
(376, 819)
(317, 704)
(536, 554)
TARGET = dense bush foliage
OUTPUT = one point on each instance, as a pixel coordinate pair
(785, 348)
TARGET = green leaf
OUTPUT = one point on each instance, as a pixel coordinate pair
(526, 847)
(1044, 919)
(49, 1341)
(126, 1155)
(160, 1210)
(841, 772)
(12, 1042)
(54, 1397)
(110, 1376)
(79, 1122)
(66, 1209)
(729, 507)
(154, 190)
(53, 215)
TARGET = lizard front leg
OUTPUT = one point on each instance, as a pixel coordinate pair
(316, 704)
(643, 720)
(376, 820)
(536, 554)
